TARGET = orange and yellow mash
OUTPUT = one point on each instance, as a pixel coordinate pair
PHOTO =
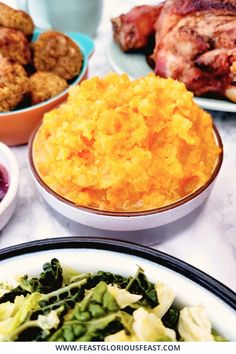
(125, 145)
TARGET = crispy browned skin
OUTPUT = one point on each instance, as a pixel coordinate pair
(45, 85)
(55, 52)
(133, 29)
(196, 44)
(14, 83)
(14, 46)
(16, 19)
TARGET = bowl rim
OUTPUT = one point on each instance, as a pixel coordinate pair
(62, 93)
(91, 210)
(13, 176)
(170, 262)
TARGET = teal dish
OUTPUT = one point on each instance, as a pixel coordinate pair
(17, 125)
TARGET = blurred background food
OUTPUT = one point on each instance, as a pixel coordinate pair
(194, 42)
(134, 29)
(125, 145)
(14, 84)
(14, 46)
(45, 85)
(53, 53)
(16, 19)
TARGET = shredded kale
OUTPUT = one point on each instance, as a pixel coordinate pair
(90, 318)
(11, 295)
(171, 318)
(34, 333)
(50, 279)
(66, 296)
(139, 284)
(108, 278)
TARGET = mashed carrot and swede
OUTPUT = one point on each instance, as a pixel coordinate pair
(125, 145)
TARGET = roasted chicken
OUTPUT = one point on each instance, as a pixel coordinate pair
(132, 30)
(195, 43)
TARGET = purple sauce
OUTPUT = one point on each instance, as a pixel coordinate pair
(3, 182)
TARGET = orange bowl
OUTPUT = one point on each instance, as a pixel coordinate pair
(16, 126)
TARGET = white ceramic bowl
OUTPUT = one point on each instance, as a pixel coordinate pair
(125, 221)
(191, 286)
(8, 204)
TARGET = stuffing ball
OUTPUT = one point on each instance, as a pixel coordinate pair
(16, 19)
(14, 83)
(14, 46)
(45, 85)
(57, 53)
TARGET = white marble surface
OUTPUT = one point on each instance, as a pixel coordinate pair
(206, 239)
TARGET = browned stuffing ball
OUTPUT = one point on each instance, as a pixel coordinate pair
(16, 19)
(57, 53)
(14, 46)
(45, 85)
(14, 83)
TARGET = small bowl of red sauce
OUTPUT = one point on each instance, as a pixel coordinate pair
(3, 182)
(9, 183)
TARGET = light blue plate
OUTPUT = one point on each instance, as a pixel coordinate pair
(135, 65)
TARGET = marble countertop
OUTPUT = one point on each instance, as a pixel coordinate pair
(205, 239)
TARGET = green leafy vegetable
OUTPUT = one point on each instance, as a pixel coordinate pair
(50, 279)
(64, 305)
(171, 318)
(19, 314)
(194, 326)
(11, 295)
(165, 298)
(38, 329)
(139, 284)
(90, 318)
(123, 297)
(217, 337)
(108, 278)
(145, 327)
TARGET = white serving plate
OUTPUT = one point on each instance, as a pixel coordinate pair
(191, 286)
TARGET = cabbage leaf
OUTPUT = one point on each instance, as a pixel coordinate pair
(194, 325)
